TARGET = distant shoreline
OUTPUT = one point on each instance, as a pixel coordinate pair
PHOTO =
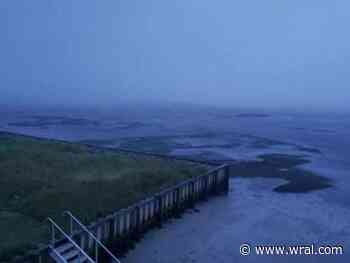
(122, 150)
(252, 115)
(282, 166)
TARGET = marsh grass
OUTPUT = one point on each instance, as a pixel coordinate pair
(283, 166)
(40, 178)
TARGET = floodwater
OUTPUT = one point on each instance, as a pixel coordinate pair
(252, 213)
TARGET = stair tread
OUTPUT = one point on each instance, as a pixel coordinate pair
(76, 260)
(70, 254)
(71, 257)
(64, 247)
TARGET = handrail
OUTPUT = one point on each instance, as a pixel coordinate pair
(91, 235)
(216, 169)
(58, 254)
(70, 239)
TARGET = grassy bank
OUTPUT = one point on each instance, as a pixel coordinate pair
(40, 178)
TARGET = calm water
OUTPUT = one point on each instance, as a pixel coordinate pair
(252, 213)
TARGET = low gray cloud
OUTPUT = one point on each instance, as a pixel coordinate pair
(234, 53)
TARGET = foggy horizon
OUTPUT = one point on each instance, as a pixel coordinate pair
(246, 54)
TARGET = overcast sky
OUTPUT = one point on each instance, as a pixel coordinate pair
(265, 53)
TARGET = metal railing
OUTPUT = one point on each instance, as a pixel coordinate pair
(53, 241)
(98, 243)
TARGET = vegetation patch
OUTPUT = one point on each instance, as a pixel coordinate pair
(282, 166)
(41, 178)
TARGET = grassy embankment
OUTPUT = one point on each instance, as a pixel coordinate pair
(40, 178)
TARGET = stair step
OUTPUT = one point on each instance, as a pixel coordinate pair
(71, 254)
(64, 247)
(76, 260)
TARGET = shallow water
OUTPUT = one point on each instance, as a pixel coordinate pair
(251, 214)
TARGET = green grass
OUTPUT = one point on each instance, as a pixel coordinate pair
(40, 178)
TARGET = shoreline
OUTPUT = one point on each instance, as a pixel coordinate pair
(97, 148)
(271, 165)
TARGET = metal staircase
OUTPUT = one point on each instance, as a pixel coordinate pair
(66, 250)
